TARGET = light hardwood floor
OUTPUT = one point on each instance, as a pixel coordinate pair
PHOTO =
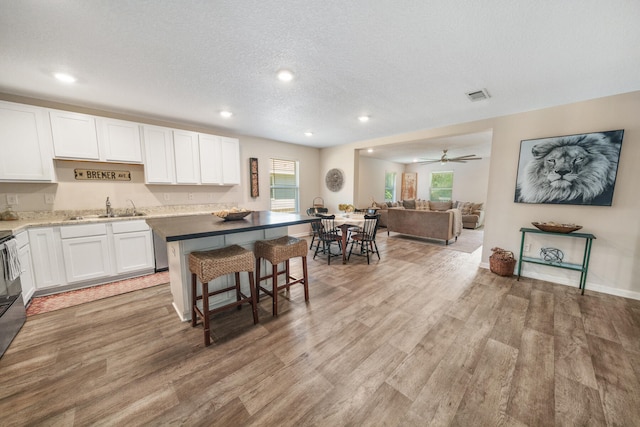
(422, 337)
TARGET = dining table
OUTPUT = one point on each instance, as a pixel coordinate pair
(345, 222)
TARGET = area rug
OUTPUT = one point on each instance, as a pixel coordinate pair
(48, 303)
(469, 241)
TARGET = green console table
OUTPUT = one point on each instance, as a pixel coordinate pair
(582, 268)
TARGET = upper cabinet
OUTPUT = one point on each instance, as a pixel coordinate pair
(159, 165)
(185, 146)
(84, 137)
(74, 135)
(25, 144)
(190, 158)
(230, 159)
(119, 140)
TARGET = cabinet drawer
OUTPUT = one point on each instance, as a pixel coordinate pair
(22, 239)
(129, 226)
(83, 230)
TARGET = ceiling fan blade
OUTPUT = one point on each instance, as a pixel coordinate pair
(465, 158)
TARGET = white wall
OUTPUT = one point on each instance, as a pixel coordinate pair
(371, 179)
(470, 180)
(615, 258)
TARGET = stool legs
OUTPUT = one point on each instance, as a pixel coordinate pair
(206, 313)
(289, 280)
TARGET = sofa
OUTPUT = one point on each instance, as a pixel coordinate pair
(472, 214)
(442, 225)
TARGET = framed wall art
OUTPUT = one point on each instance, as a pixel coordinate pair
(253, 178)
(409, 189)
(576, 169)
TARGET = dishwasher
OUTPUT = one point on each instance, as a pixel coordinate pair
(160, 251)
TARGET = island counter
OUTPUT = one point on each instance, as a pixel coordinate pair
(186, 234)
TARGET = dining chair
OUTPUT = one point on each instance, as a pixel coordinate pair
(328, 234)
(366, 238)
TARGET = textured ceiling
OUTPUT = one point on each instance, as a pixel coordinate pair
(407, 64)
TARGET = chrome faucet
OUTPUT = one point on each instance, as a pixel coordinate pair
(109, 211)
(134, 206)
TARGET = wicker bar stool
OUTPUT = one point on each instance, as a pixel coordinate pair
(277, 251)
(206, 266)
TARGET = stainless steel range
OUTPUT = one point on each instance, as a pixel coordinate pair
(12, 311)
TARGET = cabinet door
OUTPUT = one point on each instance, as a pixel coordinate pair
(45, 255)
(210, 159)
(134, 251)
(158, 155)
(230, 160)
(25, 143)
(26, 274)
(119, 140)
(86, 258)
(74, 135)
(187, 157)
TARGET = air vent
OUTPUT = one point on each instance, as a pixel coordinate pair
(478, 95)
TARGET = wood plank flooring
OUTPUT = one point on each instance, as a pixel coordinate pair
(422, 337)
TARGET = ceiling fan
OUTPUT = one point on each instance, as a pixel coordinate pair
(444, 159)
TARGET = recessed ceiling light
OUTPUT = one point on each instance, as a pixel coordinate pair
(66, 78)
(226, 114)
(285, 75)
(308, 133)
(363, 119)
(370, 150)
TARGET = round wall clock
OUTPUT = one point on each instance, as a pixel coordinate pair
(334, 180)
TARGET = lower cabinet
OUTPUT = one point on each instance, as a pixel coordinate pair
(26, 268)
(86, 258)
(45, 254)
(89, 254)
(133, 243)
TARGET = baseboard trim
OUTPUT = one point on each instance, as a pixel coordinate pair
(590, 286)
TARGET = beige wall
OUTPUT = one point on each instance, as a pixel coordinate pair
(371, 178)
(72, 194)
(615, 259)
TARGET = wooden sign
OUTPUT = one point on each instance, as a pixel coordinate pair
(96, 175)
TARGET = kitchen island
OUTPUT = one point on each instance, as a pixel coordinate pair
(204, 232)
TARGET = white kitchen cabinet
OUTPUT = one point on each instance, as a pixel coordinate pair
(219, 160)
(74, 135)
(45, 254)
(119, 140)
(25, 143)
(230, 160)
(85, 250)
(186, 156)
(159, 167)
(133, 243)
(26, 268)
(210, 159)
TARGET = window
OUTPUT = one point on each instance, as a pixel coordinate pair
(283, 178)
(389, 186)
(441, 186)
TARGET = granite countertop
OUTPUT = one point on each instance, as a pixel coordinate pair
(181, 228)
(57, 218)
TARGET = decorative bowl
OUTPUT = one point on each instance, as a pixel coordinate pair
(231, 216)
(556, 228)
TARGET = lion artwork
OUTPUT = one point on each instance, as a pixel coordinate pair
(577, 169)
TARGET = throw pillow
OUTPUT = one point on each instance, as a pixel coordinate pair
(422, 205)
(440, 206)
(477, 207)
(409, 204)
(466, 208)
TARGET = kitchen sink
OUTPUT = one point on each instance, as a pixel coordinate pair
(124, 215)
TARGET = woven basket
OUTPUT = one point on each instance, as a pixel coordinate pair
(502, 262)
